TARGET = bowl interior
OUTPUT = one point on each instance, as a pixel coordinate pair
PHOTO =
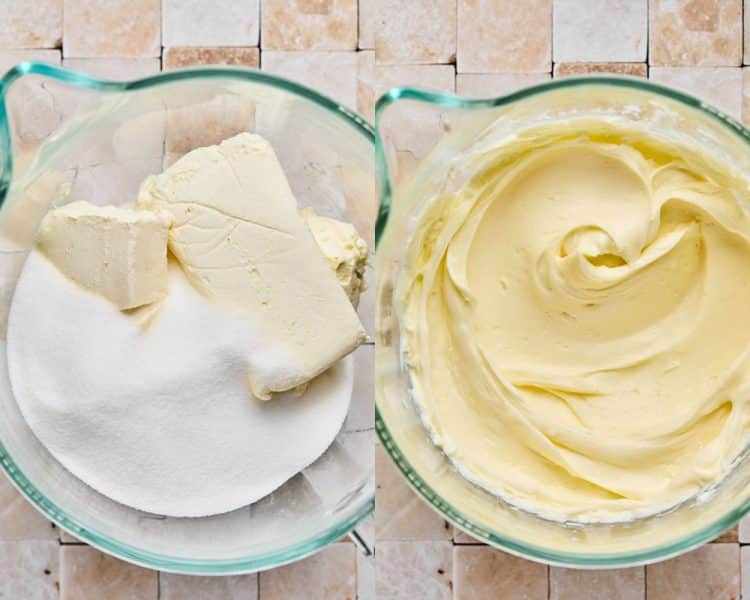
(444, 126)
(65, 137)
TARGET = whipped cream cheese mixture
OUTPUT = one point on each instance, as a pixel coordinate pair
(144, 374)
(575, 323)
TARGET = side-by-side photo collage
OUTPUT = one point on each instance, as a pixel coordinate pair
(374, 300)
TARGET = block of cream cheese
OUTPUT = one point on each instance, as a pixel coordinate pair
(344, 250)
(119, 253)
(242, 243)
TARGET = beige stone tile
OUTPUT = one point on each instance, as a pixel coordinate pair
(401, 514)
(214, 23)
(564, 69)
(32, 109)
(207, 123)
(730, 535)
(600, 30)
(115, 68)
(497, 36)
(87, 574)
(744, 530)
(10, 58)
(331, 73)
(720, 86)
(695, 32)
(410, 570)
(367, 16)
(712, 571)
(184, 56)
(745, 522)
(110, 28)
(361, 414)
(29, 570)
(486, 85)
(19, 520)
(484, 572)
(613, 584)
(365, 577)
(461, 537)
(416, 129)
(745, 570)
(746, 29)
(415, 32)
(309, 24)
(186, 587)
(111, 182)
(31, 24)
(367, 86)
(331, 573)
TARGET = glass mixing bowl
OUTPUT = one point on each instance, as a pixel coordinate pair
(66, 136)
(418, 135)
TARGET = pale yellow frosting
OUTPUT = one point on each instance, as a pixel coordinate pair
(575, 310)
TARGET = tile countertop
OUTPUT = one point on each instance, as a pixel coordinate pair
(353, 51)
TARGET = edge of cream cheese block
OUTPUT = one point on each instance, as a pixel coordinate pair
(344, 250)
(119, 253)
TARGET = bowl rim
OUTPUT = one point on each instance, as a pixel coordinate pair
(433, 499)
(71, 524)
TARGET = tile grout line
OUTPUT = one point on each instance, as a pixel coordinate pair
(552, 38)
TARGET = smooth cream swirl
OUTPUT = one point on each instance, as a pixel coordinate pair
(576, 321)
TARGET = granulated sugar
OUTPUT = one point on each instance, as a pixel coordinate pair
(161, 420)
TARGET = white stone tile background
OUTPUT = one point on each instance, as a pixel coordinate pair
(353, 50)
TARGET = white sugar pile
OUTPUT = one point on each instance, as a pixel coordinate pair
(162, 421)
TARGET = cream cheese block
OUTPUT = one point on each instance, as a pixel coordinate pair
(119, 253)
(344, 250)
(239, 238)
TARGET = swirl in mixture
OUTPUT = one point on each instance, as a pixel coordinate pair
(575, 321)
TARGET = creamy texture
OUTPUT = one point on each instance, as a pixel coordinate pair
(344, 250)
(241, 242)
(574, 320)
(117, 252)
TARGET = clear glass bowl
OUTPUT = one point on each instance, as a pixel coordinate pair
(418, 135)
(66, 136)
